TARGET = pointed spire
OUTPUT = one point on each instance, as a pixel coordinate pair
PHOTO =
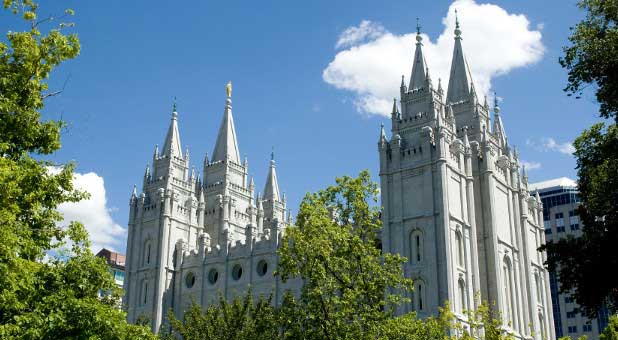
(382, 134)
(496, 106)
(395, 110)
(466, 141)
(251, 183)
(187, 153)
(524, 175)
(419, 66)
(201, 197)
(134, 192)
(440, 90)
(271, 189)
(460, 79)
(227, 146)
(260, 206)
(156, 153)
(193, 173)
(147, 172)
(172, 147)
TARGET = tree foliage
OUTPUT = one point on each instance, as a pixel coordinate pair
(243, 318)
(349, 286)
(592, 59)
(49, 281)
(611, 331)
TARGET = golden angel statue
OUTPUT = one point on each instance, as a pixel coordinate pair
(228, 89)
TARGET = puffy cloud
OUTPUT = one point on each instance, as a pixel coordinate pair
(371, 65)
(94, 213)
(530, 165)
(366, 30)
(550, 144)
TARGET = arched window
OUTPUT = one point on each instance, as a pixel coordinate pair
(145, 293)
(416, 246)
(463, 297)
(542, 326)
(460, 249)
(418, 298)
(509, 295)
(147, 251)
(539, 290)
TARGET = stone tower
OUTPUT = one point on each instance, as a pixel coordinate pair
(455, 205)
(194, 239)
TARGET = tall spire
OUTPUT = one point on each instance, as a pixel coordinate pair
(171, 147)
(271, 189)
(227, 146)
(419, 67)
(498, 127)
(460, 80)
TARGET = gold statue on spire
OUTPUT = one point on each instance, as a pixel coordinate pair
(228, 89)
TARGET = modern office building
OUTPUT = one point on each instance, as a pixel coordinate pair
(560, 200)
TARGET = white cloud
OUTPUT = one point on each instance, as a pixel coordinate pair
(550, 144)
(94, 213)
(530, 165)
(495, 42)
(367, 30)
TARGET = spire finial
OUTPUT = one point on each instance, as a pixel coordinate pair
(174, 112)
(228, 89)
(272, 154)
(418, 32)
(403, 81)
(457, 29)
(496, 106)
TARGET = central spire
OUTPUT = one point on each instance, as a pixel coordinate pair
(227, 146)
(171, 147)
(419, 67)
(460, 80)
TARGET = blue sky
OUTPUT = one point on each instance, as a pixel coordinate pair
(138, 55)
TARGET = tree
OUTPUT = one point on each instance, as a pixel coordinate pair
(350, 288)
(592, 59)
(611, 331)
(50, 280)
(581, 263)
(243, 318)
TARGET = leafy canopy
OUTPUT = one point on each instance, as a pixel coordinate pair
(50, 280)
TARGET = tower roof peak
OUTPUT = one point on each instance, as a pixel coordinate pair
(226, 146)
(171, 146)
(419, 66)
(271, 189)
(460, 80)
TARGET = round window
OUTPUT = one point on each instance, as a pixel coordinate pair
(190, 279)
(236, 272)
(213, 276)
(262, 268)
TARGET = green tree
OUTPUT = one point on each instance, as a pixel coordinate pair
(592, 58)
(49, 281)
(611, 331)
(581, 264)
(243, 318)
(350, 288)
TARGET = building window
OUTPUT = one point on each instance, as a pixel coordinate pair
(147, 252)
(213, 276)
(416, 247)
(572, 329)
(262, 268)
(572, 314)
(190, 279)
(145, 295)
(418, 298)
(507, 277)
(587, 328)
(575, 226)
(460, 249)
(559, 222)
(539, 289)
(568, 299)
(236, 272)
(463, 298)
(542, 326)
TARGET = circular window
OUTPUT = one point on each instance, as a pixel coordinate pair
(262, 268)
(236, 272)
(190, 279)
(213, 276)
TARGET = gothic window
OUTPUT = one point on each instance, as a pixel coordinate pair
(418, 298)
(507, 278)
(190, 279)
(416, 247)
(145, 293)
(213, 276)
(463, 298)
(236, 272)
(460, 249)
(147, 252)
(539, 291)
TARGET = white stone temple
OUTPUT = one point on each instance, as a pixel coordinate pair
(195, 239)
(456, 206)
